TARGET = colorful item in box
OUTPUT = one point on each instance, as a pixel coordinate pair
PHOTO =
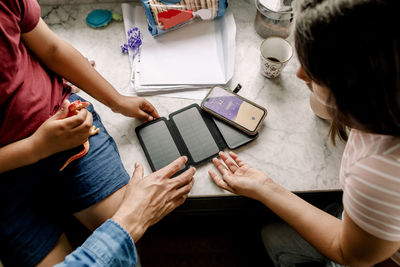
(164, 16)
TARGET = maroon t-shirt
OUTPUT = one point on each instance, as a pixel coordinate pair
(29, 93)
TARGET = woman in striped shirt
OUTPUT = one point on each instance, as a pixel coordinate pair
(350, 59)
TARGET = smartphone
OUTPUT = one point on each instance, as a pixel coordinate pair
(234, 109)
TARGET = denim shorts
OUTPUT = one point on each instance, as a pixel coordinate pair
(35, 200)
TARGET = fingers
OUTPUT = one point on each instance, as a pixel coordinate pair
(218, 180)
(236, 158)
(137, 107)
(182, 191)
(149, 109)
(184, 178)
(229, 163)
(225, 179)
(178, 199)
(81, 121)
(173, 167)
(221, 168)
(65, 104)
(144, 116)
(181, 186)
(63, 111)
(138, 172)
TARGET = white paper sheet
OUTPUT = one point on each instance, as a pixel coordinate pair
(185, 56)
(198, 55)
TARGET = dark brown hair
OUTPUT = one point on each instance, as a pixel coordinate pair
(352, 48)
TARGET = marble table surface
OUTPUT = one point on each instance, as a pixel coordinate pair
(292, 148)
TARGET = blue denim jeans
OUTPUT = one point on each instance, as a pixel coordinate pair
(36, 199)
(109, 245)
(287, 248)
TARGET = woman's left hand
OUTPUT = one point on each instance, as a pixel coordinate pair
(240, 178)
(137, 107)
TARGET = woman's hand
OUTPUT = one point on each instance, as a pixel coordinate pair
(60, 133)
(239, 178)
(137, 107)
(148, 199)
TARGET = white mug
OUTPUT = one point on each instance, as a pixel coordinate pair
(275, 54)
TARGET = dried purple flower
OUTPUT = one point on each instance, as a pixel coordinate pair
(124, 49)
(134, 41)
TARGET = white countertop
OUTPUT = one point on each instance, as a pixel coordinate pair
(292, 148)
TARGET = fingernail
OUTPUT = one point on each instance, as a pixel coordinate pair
(136, 164)
(151, 118)
(185, 157)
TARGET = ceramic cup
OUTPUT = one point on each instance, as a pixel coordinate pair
(275, 54)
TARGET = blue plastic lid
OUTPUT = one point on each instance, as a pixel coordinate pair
(99, 18)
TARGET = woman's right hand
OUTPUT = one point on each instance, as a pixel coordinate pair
(59, 132)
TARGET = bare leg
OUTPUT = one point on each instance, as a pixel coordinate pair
(98, 213)
(58, 253)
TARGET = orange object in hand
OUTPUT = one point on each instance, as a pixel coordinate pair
(73, 109)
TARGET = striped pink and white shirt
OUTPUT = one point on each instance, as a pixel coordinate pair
(370, 179)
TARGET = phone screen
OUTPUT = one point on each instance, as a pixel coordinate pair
(234, 108)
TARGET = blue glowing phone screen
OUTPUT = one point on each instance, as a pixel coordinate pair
(234, 108)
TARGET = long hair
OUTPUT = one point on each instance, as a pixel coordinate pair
(352, 48)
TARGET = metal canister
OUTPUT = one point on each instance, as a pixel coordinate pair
(269, 22)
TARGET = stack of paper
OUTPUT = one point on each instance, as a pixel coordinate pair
(198, 55)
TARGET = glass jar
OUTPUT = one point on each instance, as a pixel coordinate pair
(273, 23)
